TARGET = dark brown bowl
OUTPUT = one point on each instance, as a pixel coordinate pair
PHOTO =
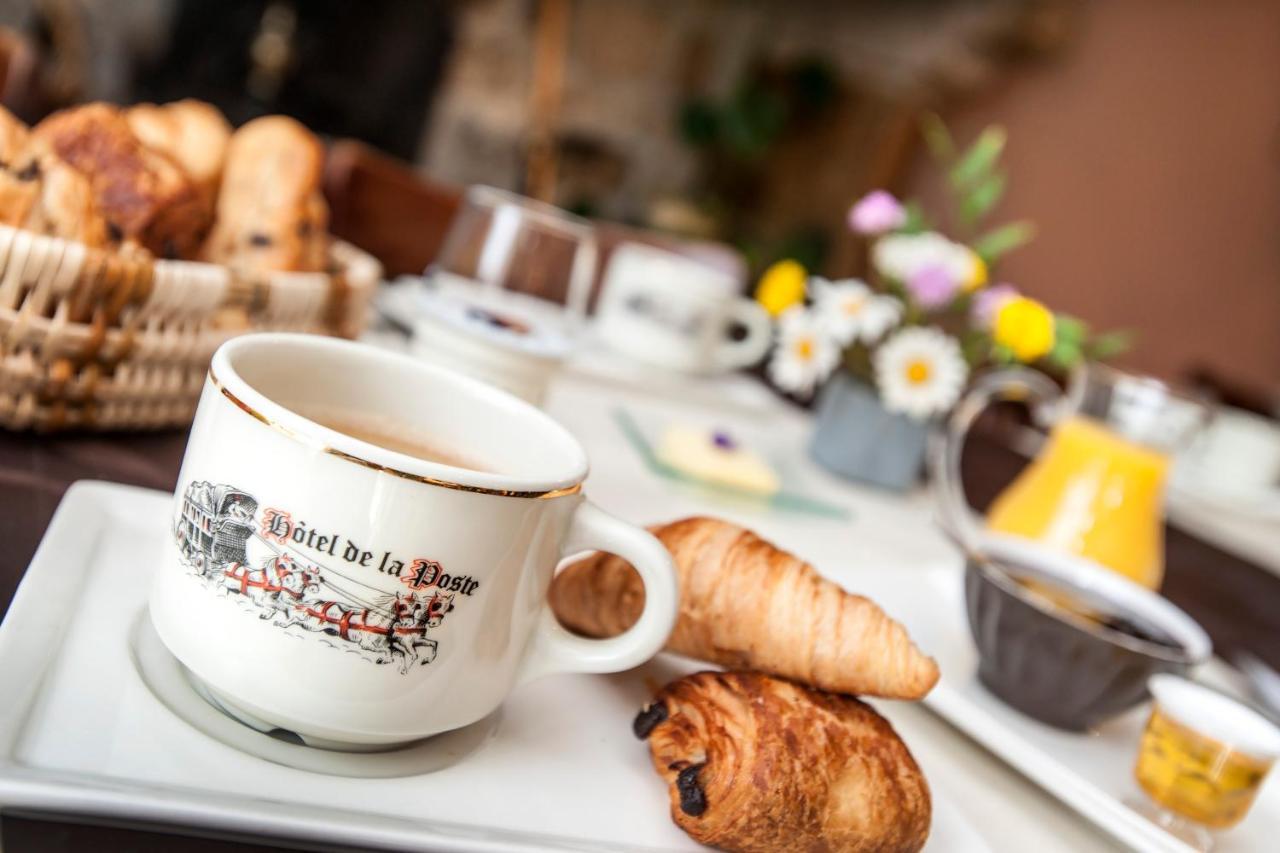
(1056, 665)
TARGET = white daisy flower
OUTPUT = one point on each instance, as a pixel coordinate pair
(920, 372)
(850, 311)
(805, 354)
(914, 259)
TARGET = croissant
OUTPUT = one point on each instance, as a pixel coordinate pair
(746, 604)
(755, 763)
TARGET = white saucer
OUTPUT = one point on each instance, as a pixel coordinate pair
(177, 688)
(82, 734)
(1260, 501)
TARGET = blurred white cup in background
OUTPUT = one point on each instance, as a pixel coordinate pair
(673, 311)
(1238, 452)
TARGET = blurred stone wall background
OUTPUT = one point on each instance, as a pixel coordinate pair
(1143, 134)
(631, 65)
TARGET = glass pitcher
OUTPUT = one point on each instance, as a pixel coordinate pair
(1096, 488)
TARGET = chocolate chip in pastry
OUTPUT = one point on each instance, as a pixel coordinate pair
(755, 763)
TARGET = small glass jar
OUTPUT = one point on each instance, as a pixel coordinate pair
(1202, 759)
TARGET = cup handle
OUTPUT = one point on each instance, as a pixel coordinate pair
(557, 650)
(734, 354)
(1016, 383)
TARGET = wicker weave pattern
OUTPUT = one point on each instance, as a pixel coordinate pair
(94, 340)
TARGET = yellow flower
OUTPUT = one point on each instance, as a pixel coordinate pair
(781, 286)
(1025, 327)
(977, 276)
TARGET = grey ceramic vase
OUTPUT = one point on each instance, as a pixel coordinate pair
(856, 438)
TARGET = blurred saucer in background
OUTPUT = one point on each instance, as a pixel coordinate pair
(1234, 466)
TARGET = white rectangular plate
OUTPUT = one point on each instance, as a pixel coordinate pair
(81, 734)
(1092, 773)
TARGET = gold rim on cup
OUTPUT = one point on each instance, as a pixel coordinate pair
(395, 472)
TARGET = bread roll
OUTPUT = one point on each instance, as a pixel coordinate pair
(270, 212)
(192, 133)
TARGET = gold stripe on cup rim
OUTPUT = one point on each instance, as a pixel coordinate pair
(376, 466)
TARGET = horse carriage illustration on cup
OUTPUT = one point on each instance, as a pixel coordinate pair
(219, 540)
(214, 524)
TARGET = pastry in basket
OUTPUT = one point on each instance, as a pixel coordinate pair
(192, 133)
(755, 763)
(746, 603)
(39, 192)
(66, 206)
(19, 174)
(271, 215)
(144, 196)
(314, 232)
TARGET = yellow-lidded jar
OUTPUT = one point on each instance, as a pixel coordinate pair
(1203, 755)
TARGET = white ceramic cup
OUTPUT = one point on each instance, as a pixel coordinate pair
(362, 597)
(675, 312)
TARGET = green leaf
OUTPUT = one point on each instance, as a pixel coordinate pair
(975, 346)
(937, 138)
(916, 220)
(1070, 329)
(1065, 354)
(1110, 344)
(996, 243)
(1001, 354)
(980, 159)
(978, 202)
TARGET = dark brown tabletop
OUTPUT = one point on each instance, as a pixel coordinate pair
(1236, 602)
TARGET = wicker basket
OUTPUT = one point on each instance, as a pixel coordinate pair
(93, 340)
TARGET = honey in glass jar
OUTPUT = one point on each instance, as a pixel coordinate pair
(1203, 755)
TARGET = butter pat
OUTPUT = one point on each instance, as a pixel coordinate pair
(715, 457)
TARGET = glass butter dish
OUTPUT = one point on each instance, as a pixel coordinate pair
(720, 466)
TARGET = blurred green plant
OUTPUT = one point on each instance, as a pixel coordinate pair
(929, 310)
(976, 182)
(737, 135)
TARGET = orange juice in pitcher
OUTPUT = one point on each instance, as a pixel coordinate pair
(1093, 493)
(1096, 488)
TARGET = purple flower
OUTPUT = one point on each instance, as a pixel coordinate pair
(932, 286)
(876, 213)
(988, 302)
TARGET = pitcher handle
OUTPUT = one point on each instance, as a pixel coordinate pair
(1019, 384)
